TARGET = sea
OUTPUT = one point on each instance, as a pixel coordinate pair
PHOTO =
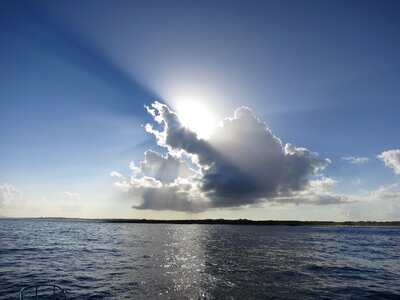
(101, 260)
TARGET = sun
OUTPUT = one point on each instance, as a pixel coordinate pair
(196, 117)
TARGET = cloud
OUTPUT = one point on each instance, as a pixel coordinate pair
(164, 168)
(359, 161)
(242, 163)
(9, 195)
(387, 192)
(381, 204)
(70, 202)
(182, 195)
(116, 174)
(391, 158)
(70, 196)
(318, 193)
(356, 181)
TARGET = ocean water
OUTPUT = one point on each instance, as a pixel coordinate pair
(98, 260)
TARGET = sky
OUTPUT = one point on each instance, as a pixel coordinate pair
(200, 109)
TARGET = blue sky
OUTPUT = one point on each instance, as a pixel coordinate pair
(75, 76)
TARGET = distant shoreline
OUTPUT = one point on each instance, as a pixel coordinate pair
(225, 222)
(260, 223)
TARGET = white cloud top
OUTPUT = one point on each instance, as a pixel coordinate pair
(391, 158)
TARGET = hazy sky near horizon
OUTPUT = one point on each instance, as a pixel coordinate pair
(309, 92)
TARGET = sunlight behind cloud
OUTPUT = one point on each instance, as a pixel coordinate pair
(197, 117)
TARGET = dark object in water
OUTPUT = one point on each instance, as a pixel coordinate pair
(43, 291)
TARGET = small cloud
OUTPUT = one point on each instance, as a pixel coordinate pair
(70, 202)
(9, 195)
(391, 158)
(70, 196)
(359, 161)
(116, 174)
(356, 181)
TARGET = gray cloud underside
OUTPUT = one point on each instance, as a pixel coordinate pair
(172, 197)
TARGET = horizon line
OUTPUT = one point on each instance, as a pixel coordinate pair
(220, 221)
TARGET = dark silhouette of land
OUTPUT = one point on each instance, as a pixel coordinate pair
(227, 222)
(252, 222)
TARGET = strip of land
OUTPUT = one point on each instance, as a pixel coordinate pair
(223, 222)
(252, 222)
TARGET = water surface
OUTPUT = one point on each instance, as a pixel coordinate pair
(98, 260)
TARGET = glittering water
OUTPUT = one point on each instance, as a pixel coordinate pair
(95, 260)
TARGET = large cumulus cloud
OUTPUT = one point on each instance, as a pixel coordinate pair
(242, 163)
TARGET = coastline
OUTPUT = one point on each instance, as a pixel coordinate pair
(223, 222)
